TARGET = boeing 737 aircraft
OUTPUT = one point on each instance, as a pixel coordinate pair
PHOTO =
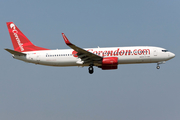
(105, 58)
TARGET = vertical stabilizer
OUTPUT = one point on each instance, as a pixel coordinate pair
(20, 42)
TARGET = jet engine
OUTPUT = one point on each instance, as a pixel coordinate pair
(109, 63)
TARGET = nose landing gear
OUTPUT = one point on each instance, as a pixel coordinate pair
(162, 62)
(158, 67)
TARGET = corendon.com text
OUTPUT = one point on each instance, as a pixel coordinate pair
(119, 52)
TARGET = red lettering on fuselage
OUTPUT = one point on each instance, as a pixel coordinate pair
(74, 53)
(118, 52)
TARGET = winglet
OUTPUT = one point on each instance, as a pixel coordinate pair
(66, 40)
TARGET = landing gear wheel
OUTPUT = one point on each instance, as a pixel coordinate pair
(158, 67)
(91, 69)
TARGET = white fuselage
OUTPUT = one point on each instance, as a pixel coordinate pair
(126, 55)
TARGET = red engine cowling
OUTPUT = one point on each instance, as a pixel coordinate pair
(109, 63)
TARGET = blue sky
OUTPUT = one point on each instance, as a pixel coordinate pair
(133, 92)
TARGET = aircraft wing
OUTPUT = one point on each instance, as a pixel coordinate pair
(84, 55)
(14, 52)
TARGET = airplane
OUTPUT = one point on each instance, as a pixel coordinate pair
(106, 58)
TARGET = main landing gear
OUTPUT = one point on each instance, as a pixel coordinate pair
(91, 69)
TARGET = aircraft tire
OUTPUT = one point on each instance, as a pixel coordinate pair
(158, 67)
(91, 69)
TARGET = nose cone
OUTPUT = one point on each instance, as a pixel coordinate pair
(171, 55)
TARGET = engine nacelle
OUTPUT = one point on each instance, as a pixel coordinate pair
(109, 63)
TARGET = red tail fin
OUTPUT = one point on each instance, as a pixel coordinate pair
(20, 42)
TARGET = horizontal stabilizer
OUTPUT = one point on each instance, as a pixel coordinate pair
(14, 52)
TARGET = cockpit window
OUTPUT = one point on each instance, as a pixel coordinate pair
(164, 50)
